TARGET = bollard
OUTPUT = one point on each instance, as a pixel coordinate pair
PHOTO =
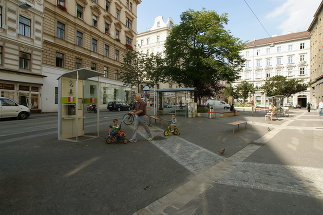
(211, 113)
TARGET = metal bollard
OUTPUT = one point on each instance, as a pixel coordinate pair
(211, 113)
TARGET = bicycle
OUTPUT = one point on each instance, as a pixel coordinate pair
(129, 118)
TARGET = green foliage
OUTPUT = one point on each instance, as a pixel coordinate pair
(201, 109)
(229, 91)
(243, 90)
(200, 53)
(139, 68)
(279, 85)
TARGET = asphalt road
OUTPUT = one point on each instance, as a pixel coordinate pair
(40, 175)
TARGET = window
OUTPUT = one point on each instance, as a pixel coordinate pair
(93, 66)
(24, 26)
(116, 54)
(290, 59)
(79, 11)
(107, 5)
(301, 71)
(158, 24)
(107, 28)
(106, 50)
(268, 62)
(258, 52)
(106, 72)
(24, 60)
(302, 45)
(61, 3)
(127, 4)
(247, 64)
(78, 63)
(0, 17)
(56, 95)
(279, 48)
(79, 38)
(279, 61)
(118, 12)
(268, 51)
(94, 21)
(95, 1)
(290, 47)
(247, 75)
(258, 74)
(290, 72)
(60, 32)
(59, 59)
(94, 45)
(158, 37)
(267, 74)
(247, 53)
(278, 72)
(141, 42)
(0, 55)
(302, 57)
(129, 23)
(130, 6)
(117, 34)
(147, 40)
(116, 75)
(128, 41)
(258, 63)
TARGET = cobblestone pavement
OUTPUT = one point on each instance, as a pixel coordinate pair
(286, 179)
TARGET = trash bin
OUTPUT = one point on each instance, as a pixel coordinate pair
(211, 113)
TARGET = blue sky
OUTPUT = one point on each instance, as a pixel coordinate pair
(278, 16)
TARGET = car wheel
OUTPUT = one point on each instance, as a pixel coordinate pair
(23, 115)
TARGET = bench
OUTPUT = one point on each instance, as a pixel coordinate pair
(238, 123)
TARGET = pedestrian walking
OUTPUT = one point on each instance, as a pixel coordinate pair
(308, 107)
(139, 112)
(321, 108)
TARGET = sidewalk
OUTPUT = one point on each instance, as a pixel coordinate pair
(274, 168)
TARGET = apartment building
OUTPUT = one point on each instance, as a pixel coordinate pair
(316, 74)
(21, 27)
(90, 34)
(287, 55)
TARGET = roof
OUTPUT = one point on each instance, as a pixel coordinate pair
(83, 74)
(319, 9)
(278, 39)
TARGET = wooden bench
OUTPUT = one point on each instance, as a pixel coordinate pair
(238, 123)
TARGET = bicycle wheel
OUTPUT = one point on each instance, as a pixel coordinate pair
(128, 119)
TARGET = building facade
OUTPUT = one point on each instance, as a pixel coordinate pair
(21, 27)
(316, 75)
(286, 55)
(90, 34)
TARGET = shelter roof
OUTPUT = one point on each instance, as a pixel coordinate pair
(83, 74)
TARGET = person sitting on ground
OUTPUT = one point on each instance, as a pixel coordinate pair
(115, 127)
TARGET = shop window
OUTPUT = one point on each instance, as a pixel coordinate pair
(34, 89)
(24, 26)
(23, 88)
(7, 86)
(34, 101)
(24, 60)
(59, 59)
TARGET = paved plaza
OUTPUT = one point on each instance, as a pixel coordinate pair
(270, 167)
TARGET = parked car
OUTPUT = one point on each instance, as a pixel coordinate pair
(9, 108)
(217, 104)
(118, 106)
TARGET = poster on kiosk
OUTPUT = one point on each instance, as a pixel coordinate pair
(74, 98)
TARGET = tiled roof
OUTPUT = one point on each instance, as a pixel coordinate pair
(277, 39)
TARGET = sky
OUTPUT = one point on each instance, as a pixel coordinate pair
(277, 16)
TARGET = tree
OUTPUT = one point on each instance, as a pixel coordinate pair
(200, 53)
(229, 91)
(154, 67)
(243, 90)
(279, 85)
(133, 66)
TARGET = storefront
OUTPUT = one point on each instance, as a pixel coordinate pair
(22, 93)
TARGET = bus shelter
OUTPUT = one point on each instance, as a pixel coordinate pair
(76, 92)
(183, 105)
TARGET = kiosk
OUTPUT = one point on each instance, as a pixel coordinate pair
(73, 95)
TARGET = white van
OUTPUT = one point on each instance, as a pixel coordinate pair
(9, 108)
(217, 104)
